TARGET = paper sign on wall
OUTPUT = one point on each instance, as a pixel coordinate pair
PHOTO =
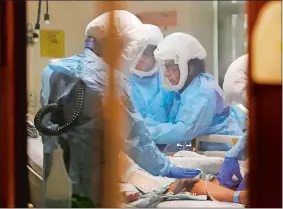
(52, 43)
(161, 19)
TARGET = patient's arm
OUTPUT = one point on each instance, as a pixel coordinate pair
(219, 192)
(198, 186)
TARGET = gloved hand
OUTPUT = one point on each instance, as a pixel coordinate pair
(243, 183)
(229, 168)
(179, 173)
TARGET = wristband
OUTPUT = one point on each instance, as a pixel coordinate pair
(236, 197)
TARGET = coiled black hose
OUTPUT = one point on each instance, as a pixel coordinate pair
(45, 130)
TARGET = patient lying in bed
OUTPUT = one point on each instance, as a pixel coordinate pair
(196, 186)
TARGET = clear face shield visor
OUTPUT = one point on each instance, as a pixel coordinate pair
(170, 73)
(145, 64)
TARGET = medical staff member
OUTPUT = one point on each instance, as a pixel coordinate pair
(235, 88)
(147, 96)
(235, 82)
(198, 107)
(82, 142)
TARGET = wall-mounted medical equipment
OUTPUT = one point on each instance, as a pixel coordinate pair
(30, 34)
(33, 39)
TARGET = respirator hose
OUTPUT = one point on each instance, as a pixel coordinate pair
(49, 131)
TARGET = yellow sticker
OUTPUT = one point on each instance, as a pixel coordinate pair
(279, 47)
(234, 141)
(52, 43)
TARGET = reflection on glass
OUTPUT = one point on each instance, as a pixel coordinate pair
(232, 41)
(245, 28)
(234, 22)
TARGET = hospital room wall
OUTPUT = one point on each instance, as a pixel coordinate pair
(72, 17)
(193, 17)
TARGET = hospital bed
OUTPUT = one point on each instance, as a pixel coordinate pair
(35, 168)
(145, 182)
(212, 138)
(227, 139)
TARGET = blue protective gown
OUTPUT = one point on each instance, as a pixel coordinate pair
(83, 141)
(239, 150)
(240, 116)
(150, 99)
(198, 110)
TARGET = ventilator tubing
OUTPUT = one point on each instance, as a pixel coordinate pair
(58, 130)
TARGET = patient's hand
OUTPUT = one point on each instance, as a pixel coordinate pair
(130, 196)
(183, 185)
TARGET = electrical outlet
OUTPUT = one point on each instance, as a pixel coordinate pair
(32, 99)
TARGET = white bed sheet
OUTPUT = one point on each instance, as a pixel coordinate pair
(35, 168)
(35, 154)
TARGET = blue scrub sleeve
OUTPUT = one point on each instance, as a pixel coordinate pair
(238, 151)
(196, 113)
(140, 147)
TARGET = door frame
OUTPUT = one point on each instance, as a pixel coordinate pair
(13, 142)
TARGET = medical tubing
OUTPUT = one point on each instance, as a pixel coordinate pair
(47, 7)
(38, 12)
(45, 130)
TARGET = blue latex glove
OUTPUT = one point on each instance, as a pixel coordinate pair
(229, 168)
(242, 185)
(179, 173)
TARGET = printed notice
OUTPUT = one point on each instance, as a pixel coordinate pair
(52, 43)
